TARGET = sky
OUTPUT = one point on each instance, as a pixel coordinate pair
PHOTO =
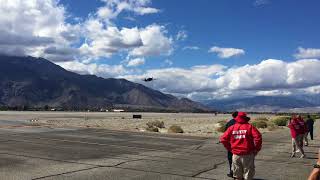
(200, 49)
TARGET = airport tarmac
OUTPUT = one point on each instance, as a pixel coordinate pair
(40, 152)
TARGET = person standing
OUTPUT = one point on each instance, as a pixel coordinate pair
(309, 123)
(229, 155)
(297, 133)
(244, 141)
(304, 129)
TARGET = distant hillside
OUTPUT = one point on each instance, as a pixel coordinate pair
(36, 82)
(264, 103)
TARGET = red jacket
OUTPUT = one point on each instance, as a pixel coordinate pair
(242, 138)
(296, 127)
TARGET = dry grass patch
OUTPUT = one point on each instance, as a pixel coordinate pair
(281, 120)
(175, 129)
(152, 129)
(221, 126)
(260, 124)
(157, 123)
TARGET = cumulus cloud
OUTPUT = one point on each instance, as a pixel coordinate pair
(136, 62)
(155, 42)
(113, 8)
(101, 70)
(305, 53)
(179, 80)
(269, 77)
(226, 52)
(29, 27)
(39, 28)
(105, 41)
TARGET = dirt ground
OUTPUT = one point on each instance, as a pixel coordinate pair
(191, 123)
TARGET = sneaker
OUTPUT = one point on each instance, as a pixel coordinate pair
(302, 156)
(293, 155)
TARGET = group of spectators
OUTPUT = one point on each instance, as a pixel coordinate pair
(243, 142)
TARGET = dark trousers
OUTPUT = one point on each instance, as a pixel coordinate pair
(230, 160)
(311, 134)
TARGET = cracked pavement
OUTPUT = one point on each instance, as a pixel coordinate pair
(35, 152)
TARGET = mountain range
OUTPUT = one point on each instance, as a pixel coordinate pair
(37, 82)
(306, 103)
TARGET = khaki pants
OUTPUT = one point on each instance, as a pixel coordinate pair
(297, 143)
(243, 166)
(306, 138)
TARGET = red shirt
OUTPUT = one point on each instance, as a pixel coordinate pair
(242, 138)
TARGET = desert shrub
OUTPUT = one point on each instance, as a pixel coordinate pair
(315, 116)
(259, 124)
(281, 120)
(152, 129)
(175, 129)
(261, 119)
(222, 126)
(158, 124)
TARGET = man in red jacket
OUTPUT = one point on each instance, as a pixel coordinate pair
(244, 141)
(297, 130)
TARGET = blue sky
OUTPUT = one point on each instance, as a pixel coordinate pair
(200, 49)
(274, 29)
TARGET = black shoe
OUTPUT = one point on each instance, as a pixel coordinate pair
(230, 175)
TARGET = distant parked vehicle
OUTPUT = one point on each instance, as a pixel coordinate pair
(118, 110)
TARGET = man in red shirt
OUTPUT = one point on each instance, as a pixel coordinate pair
(244, 141)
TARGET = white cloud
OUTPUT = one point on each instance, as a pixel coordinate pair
(307, 53)
(226, 52)
(101, 70)
(113, 8)
(29, 27)
(274, 93)
(190, 48)
(269, 77)
(146, 10)
(179, 80)
(155, 42)
(182, 35)
(39, 28)
(261, 2)
(105, 41)
(136, 62)
(312, 90)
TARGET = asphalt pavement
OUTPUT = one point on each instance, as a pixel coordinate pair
(37, 152)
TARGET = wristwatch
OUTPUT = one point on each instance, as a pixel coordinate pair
(316, 166)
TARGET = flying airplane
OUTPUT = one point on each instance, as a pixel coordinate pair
(149, 79)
